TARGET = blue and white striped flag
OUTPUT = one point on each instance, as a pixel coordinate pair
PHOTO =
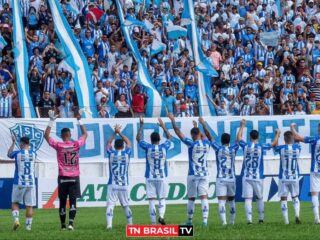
(73, 7)
(175, 31)
(157, 47)
(3, 42)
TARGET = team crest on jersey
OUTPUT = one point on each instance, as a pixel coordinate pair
(35, 135)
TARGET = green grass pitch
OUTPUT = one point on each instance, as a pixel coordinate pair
(90, 224)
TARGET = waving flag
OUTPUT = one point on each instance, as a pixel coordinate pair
(175, 31)
(157, 47)
(3, 42)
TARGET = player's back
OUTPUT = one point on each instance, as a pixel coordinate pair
(68, 154)
(315, 152)
(225, 158)
(119, 166)
(24, 167)
(252, 167)
(156, 159)
(289, 156)
(198, 153)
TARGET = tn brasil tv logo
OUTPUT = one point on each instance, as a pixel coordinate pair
(159, 231)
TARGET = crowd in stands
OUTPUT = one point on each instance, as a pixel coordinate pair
(266, 54)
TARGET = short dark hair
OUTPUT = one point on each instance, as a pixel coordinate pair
(225, 138)
(254, 134)
(118, 144)
(288, 136)
(155, 137)
(195, 131)
(25, 140)
(64, 131)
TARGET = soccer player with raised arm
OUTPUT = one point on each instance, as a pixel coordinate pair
(226, 179)
(24, 188)
(68, 153)
(289, 175)
(197, 182)
(119, 158)
(315, 168)
(252, 170)
(156, 170)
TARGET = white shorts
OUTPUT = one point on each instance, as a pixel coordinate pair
(252, 188)
(314, 182)
(225, 188)
(156, 188)
(117, 193)
(197, 186)
(286, 187)
(24, 195)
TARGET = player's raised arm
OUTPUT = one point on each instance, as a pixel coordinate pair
(175, 127)
(276, 138)
(139, 134)
(111, 138)
(52, 118)
(12, 145)
(166, 132)
(297, 137)
(205, 129)
(240, 131)
(117, 130)
(82, 127)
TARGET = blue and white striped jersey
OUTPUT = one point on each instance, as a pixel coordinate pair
(6, 106)
(315, 152)
(225, 159)
(252, 167)
(289, 155)
(198, 153)
(156, 159)
(119, 166)
(24, 167)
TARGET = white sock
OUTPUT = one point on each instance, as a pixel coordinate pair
(128, 213)
(190, 209)
(15, 215)
(109, 215)
(315, 207)
(296, 206)
(232, 205)
(260, 205)
(284, 210)
(205, 210)
(222, 211)
(248, 207)
(162, 207)
(152, 211)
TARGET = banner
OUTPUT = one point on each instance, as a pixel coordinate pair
(99, 130)
(269, 39)
(94, 191)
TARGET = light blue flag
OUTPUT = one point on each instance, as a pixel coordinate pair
(157, 47)
(3, 42)
(175, 31)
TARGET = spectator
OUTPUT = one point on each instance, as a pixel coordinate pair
(46, 104)
(124, 110)
(138, 102)
(6, 102)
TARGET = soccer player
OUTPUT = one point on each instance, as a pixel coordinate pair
(197, 182)
(68, 164)
(252, 170)
(226, 179)
(119, 158)
(23, 190)
(156, 170)
(289, 175)
(315, 168)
